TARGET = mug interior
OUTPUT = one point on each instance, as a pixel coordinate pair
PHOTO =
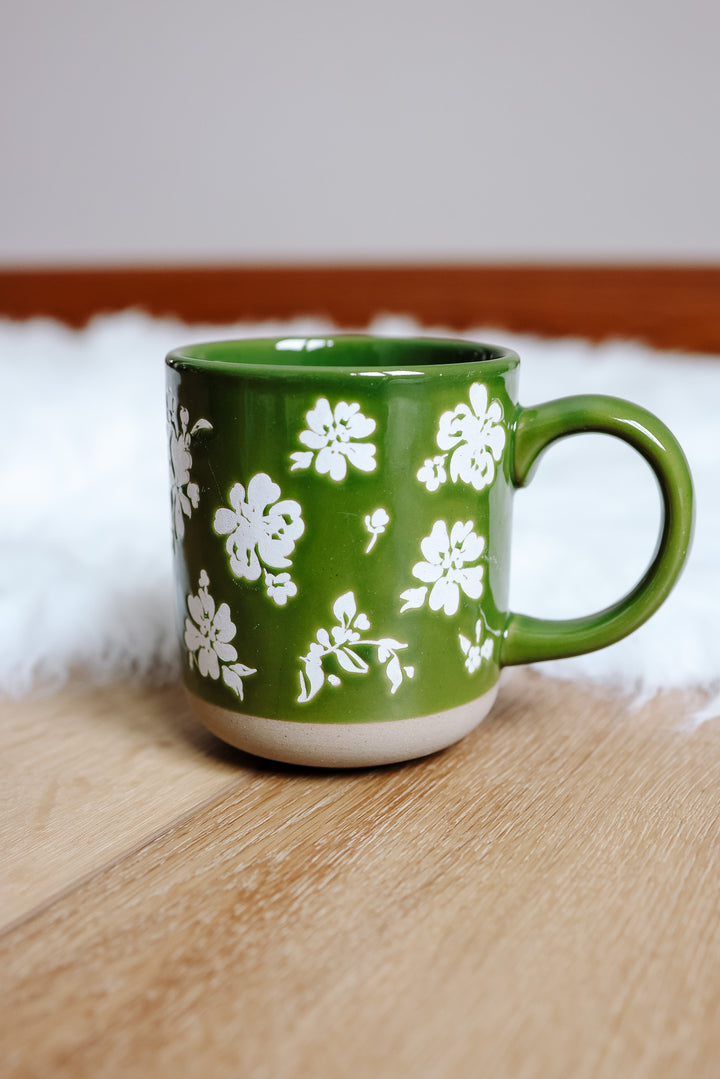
(340, 351)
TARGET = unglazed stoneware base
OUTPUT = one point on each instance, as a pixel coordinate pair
(343, 745)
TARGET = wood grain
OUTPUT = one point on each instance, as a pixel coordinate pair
(540, 900)
(668, 306)
(88, 774)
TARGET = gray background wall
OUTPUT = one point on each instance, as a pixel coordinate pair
(523, 130)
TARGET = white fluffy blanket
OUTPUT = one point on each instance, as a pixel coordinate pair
(85, 535)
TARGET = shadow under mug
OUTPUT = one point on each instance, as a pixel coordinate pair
(341, 520)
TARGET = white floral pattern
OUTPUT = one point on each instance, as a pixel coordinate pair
(261, 532)
(376, 523)
(208, 633)
(343, 642)
(474, 437)
(333, 438)
(280, 587)
(482, 650)
(184, 494)
(447, 568)
(433, 472)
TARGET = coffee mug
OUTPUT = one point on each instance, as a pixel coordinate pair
(341, 513)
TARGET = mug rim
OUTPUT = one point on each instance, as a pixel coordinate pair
(224, 355)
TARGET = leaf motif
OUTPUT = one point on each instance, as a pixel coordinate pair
(233, 676)
(464, 643)
(391, 644)
(394, 673)
(301, 459)
(345, 608)
(314, 682)
(414, 598)
(351, 661)
(201, 425)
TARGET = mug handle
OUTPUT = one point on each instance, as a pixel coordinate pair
(530, 640)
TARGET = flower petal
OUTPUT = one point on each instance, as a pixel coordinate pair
(195, 606)
(472, 547)
(459, 532)
(208, 663)
(314, 440)
(427, 571)
(331, 460)
(244, 562)
(471, 581)
(262, 491)
(236, 496)
(479, 399)
(361, 455)
(223, 624)
(444, 594)
(193, 637)
(451, 427)
(225, 522)
(226, 652)
(437, 543)
(357, 425)
(320, 417)
(495, 440)
(462, 463)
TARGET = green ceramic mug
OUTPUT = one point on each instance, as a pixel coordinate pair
(341, 521)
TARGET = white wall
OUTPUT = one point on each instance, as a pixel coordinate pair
(520, 129)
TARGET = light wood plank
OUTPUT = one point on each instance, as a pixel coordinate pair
(87, 775)
(540, 900)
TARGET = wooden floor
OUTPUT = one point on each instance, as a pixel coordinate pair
(543, 899)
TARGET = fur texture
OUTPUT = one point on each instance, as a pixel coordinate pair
(85, 541)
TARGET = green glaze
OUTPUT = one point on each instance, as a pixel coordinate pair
(529, 640)
(318, 488)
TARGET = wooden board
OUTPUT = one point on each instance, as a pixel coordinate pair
(668, 306)
(540, 900)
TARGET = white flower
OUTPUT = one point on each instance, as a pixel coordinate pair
(446, 567)
(333, 434)
(280, 587)
(476, 436)
(376, 525)
(433, 473)
(208, 633)
(184, 495)
(476, 653)
(261, 530)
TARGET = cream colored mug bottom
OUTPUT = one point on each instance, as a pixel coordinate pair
(344, 745)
